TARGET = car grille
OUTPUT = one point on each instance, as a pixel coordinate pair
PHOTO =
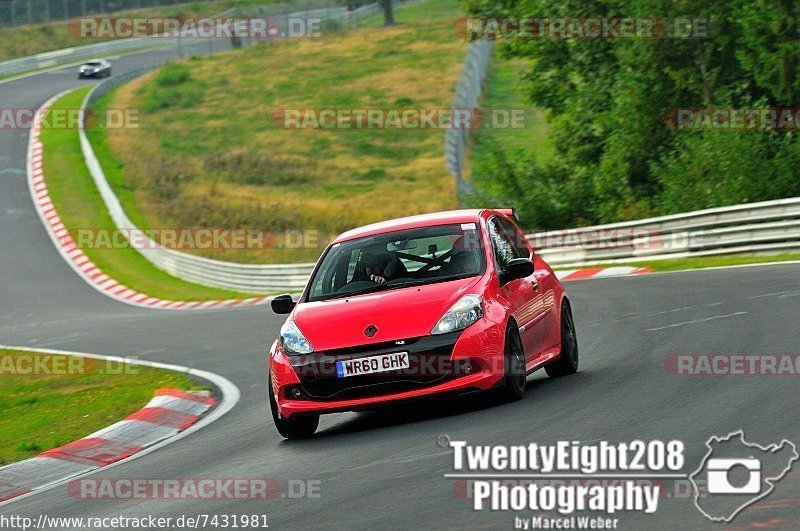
(429, 360)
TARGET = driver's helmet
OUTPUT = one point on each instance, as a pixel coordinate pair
(377, 262)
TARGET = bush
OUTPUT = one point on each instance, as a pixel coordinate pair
(719, 168)
(173, 87)
(173, 74)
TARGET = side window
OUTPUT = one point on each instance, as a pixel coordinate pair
(337, 273)
(502, 243)
(520, 248)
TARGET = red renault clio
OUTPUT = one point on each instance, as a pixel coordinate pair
(418, 307)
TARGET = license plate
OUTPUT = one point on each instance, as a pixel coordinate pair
(372, 364)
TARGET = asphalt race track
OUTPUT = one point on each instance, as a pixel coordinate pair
(386, 469)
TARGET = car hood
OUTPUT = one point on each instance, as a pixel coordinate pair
(398, 314)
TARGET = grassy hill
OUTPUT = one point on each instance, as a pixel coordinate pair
(210, 153)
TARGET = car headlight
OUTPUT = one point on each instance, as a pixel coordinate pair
(293, 341)
(465, 312)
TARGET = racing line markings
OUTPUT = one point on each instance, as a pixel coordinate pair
(697, 321)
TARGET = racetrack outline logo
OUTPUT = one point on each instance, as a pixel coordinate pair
(720, 488)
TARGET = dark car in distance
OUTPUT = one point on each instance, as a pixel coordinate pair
(97, 68)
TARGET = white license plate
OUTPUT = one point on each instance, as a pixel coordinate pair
(372, 364)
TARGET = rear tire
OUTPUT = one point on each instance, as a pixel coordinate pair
(567, 362)
(513, 366)
(299, 428)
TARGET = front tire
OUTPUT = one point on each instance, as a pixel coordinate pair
(299, 428)
(514, 366)
(567, 362)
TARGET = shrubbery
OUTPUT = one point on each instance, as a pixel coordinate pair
(607, 100)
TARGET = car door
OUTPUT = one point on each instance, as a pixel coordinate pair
(546, 331)
(527, 304)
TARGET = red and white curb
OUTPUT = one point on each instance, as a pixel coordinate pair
(76, 258)
(169, 416)
(169, 413)
(600, 272)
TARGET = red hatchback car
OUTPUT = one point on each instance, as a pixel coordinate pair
(418, 307)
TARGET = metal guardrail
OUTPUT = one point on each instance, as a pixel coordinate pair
(25, 12)
(69, 56)
(768, 226)
(241, 277)
(280, 13)
(467, 94)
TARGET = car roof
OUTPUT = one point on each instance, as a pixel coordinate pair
(412, 222)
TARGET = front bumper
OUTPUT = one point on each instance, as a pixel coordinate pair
(92, 74)
(470, 360)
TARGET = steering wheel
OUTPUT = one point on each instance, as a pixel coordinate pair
(356, 285)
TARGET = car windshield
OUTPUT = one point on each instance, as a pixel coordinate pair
(398, 259)
(93, 64)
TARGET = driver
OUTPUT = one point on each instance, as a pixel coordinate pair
(380, 267)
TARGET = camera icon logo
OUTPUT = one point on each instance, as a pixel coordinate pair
(736, 473)
(719, 472)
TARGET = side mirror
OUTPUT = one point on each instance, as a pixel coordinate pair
(517, 268)
(283, 304)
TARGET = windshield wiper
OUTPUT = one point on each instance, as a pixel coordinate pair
(378, 287)
(371, 289)
(407, 284)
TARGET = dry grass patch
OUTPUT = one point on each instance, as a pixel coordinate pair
(210, 153)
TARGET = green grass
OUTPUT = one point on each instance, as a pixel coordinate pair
(212, 152)
(23, 41)
(706, 261)
(80, 206)
(414, 14)
(41, 412)
(504, 91)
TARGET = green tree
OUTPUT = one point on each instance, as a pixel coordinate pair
(608, 98)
